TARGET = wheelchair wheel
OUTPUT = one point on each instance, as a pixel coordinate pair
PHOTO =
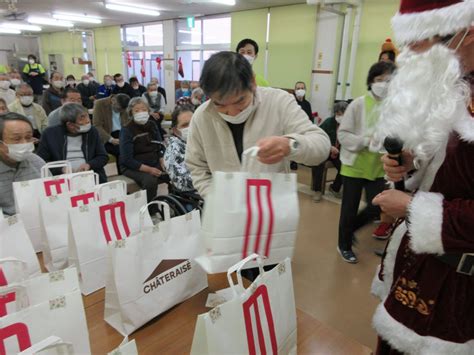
(176, 207)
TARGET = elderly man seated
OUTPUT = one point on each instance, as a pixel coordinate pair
(25, 106)
(17, 161)
(70, 95)
(5, 92)
(75, 140)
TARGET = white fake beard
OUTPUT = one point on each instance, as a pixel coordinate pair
(426, 98)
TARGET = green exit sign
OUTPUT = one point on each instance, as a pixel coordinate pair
(190, 21)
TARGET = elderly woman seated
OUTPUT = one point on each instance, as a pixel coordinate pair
(74, 140)
(141, 151)
(174, 155)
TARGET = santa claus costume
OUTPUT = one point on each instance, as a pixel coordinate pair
(426, 278)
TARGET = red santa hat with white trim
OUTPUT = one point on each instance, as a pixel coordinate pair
(422, 19)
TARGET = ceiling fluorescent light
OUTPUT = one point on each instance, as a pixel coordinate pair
(224, 2)
(77, 18)
(9, 31)
(21, 27)
(50, 22)
(132, 9)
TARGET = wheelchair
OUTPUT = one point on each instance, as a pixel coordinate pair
(180, 202)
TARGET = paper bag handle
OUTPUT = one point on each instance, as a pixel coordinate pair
(24, 265)
(47, 344)
(46, 169)
(248, 156)
(144, 210)
(120, 183)
(22, 300)
(238, 268)
(82, 174)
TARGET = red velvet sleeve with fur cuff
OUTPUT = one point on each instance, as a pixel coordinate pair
(438, 226)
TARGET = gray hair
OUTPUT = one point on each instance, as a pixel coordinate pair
(12, 116)
(135, 101)
(340, 106)
(23, 86)
(70, 111)
(197, 91)
(150, 84)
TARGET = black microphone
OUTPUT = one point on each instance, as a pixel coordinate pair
(394, 146)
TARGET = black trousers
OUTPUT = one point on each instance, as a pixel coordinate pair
(114, 150)
(147, 182)
(350, 221)
(317, 175)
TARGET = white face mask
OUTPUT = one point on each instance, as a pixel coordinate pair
(84, 128)
(300, 93)
(380, 89)
(4, 84)
(141, 117)
(58, 84)
(153, 93)
(26, 100)
(249, 58)
(184, 133)
(71, 82)
(31, 61)
(15, 82)
(86, 82)
(339, 118)
(241, 117)
(109, 82)
(121, 84)
(195, 101)
(20, 152)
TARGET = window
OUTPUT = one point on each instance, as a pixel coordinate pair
(142, 46)
(195, 45)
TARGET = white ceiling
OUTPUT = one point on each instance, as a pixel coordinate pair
(169, 9)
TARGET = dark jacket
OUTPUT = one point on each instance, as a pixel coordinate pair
(306, 107)
(86, 93)
(162, 92)
(53, 147)
(140, 144)
(102, 118)
(138, 92)
(125, 89)
(52, 99)
(330, 126)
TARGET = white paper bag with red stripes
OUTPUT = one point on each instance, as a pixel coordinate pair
(20, 294)
(249, 212)
(28, 195)
(16, 247)
(93, 226)
(61, 316)
(258, 320)
(54, 217)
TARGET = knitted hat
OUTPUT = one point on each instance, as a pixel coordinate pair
(422, 19)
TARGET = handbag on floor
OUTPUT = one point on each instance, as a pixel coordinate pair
(258, 320)
(15, 244)
(93, 226)
(62, 316)
(54, 217)
(249, 212)
(28, 194)
(151, 272)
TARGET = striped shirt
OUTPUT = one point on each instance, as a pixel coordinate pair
(28, 169)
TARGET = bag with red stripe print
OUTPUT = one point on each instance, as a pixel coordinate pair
(249, 212)
(258, 320)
